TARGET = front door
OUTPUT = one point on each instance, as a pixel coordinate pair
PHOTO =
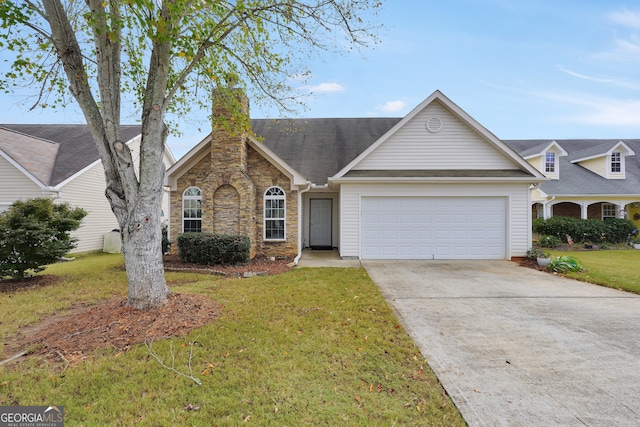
(320, 223)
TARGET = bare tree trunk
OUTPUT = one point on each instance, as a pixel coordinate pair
(135, 201)
(142, 249)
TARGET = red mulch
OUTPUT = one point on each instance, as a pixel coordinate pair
(112, 324)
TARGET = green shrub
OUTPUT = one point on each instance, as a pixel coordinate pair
(612, 230)
(548, 241)
(211, 248)
(618, 229)
(535, 253)
(563, 264)
(34, 233)
(558, 226)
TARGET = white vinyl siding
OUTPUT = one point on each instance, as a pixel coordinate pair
(455, 146)
(518, 211)
(21, 187)
(87, 191)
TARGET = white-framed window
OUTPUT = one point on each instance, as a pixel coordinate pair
(275, 214)
(609, 210)
(550, 162)
(192, 210)
(616, 162)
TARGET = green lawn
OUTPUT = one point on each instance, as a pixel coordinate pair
(619, 269)
(309, 347)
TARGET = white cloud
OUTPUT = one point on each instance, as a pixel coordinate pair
(624, 50)
(599, 110)
(327, 87)
(629, 84)
(625, 18)
(392, 106)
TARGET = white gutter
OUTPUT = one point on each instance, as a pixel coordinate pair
(297, 258)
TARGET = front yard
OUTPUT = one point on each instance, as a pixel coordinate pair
(619, 269)
(307, 347)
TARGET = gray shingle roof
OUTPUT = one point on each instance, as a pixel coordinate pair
(576, 179)
(320, 148)
(76, 147)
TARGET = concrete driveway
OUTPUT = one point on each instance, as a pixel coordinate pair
(518, 347)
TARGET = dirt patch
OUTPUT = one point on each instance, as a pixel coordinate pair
(13, 285)
(112, 324)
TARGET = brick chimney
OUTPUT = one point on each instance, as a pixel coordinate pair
(234, 193)
(230, 121)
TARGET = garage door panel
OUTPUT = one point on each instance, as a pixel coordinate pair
(430, 227)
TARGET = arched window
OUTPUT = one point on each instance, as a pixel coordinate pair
(192, 210)
(274, 214)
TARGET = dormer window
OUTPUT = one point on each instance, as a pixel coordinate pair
(616, 162)
(550, 162)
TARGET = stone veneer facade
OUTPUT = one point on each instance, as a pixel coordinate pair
(233, 179)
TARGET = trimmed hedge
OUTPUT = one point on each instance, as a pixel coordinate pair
(212, 249)
(611, 230)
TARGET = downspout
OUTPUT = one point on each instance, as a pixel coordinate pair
(297, 258)
(53, 191)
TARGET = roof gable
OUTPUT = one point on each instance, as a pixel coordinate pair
(34, 157)
(535, 151)
(77, 149)
(577, 180)
(438, 135)
(202, 149)
(602, 149)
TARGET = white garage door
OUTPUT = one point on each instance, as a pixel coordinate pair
(433, 228)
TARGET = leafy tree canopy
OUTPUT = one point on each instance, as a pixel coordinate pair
(259, 45)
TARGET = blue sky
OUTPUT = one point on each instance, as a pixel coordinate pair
(523, 69)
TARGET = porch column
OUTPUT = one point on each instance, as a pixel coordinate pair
(546, 210)
(622, 209)
(583, 210)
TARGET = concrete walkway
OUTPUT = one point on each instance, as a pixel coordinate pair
(325, 258)
(518, 347)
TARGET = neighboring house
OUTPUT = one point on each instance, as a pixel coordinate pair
(588, 178)
(432, 185)
(62, 161)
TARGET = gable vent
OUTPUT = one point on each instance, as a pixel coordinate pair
(434, 124)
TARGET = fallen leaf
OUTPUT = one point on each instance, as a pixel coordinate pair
(357, 398)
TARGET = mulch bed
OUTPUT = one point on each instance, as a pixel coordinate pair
(114, 325)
